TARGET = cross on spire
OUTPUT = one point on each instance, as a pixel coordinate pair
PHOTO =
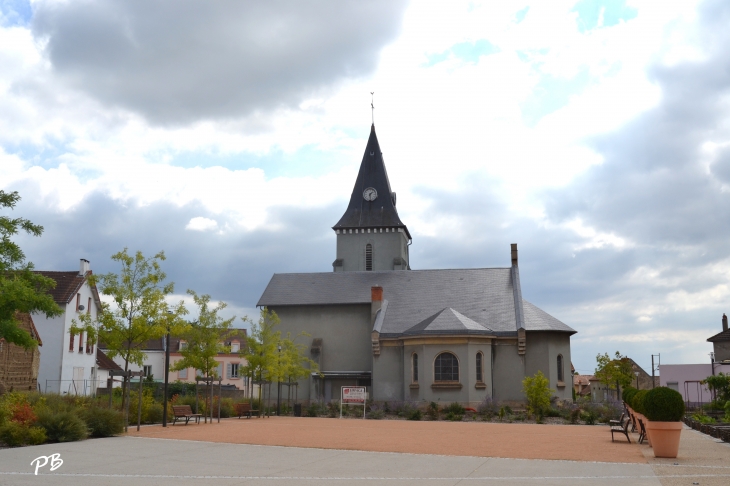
(372, 106)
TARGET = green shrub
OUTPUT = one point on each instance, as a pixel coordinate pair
(454, 417)
(414, 414)
(14, 434)
(575, 415)
(626, 392)
(103, 422)
(62, 426)
(628, 395)
(538, 392)
(488, 408)
(663, 404)
(376, 414)
(589, 417)
(432, 411)
(454, 408)
(703, 419)
(637, 402)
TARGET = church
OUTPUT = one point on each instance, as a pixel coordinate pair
(460, 335)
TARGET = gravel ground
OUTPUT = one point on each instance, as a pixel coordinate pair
(480, 439)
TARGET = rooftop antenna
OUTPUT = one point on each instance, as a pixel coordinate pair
(372, 106)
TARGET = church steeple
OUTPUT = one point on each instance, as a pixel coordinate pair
(370, 235)
(372, 203)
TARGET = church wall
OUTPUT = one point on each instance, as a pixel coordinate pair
(543, 349)
(388, 374)
(466, 353)
(386, 247)
(345, 333)
(509, 371)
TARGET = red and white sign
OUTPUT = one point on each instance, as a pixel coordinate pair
(353, 394)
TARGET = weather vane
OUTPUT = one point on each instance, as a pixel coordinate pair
(372, 106)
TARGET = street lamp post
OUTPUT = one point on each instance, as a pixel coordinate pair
(637, 379)
(278, 387)
(167, 373)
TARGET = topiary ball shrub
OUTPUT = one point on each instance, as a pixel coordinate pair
(663, 404)
(628, 395)
(62, 426)
(103, 422)
(637, 402)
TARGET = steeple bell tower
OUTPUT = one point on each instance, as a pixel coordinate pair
(370, 235)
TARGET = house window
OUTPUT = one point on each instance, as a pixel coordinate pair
(183, 374)
(71, 343)
(234, 370)
(414, 370)
(147, 370)
(446, 367)
(183, 345)
(81, 342)
(368, 257)
(560, 367)
(235, 347)
(78, 301)
(480, 367)
(88, 308)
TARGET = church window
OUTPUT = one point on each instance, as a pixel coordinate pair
(369, 257)
(560, 367)
(415, 368)
(446, 367)
(480, 367)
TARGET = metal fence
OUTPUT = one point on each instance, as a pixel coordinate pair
(73, 387)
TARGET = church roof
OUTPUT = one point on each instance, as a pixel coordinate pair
(447, 321)
(482, 295)
(381, 211)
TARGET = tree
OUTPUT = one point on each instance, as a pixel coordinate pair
(262, 349)
(614, 372)
(21, 290)
(538, 393)
(203, 337)
(294, 363)
(720, 384)
(140, 312)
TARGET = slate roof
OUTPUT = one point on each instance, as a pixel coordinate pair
(372, 214)
(483, 295)
(104, 362)
(722, 336)
(447, 321)
(67, 285)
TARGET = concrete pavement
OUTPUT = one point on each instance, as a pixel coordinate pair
(134, 460)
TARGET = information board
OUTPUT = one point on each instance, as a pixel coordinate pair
(353, 394)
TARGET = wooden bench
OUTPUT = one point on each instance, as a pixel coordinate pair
(245, 409)
(622, 429)
(184, 412)
(642, 431)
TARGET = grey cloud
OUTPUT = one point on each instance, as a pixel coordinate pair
(720, 167)
(179, 62)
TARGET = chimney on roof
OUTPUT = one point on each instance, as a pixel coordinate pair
(84, 267)
(514, 254)
(376, 301)
(724, 322)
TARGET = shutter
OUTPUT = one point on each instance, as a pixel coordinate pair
(219, 370)
(229, 370)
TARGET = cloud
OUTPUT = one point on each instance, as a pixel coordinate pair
(201, 224)
(185, 61)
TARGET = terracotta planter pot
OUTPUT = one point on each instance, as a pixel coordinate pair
(665, 437)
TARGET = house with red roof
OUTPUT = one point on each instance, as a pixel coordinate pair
(68, 363)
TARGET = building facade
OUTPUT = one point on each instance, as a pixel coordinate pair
(68, 364)
(461, 335)
(19, 366)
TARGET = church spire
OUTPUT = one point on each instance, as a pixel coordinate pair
(372, 203)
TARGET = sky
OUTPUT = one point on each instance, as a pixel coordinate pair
(595, 134)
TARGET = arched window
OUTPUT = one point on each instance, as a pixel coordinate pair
(480, 367)
(446, 367)
(414, 370)
(369, 257)
(560, 367)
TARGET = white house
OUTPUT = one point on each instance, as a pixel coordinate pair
(68, 363)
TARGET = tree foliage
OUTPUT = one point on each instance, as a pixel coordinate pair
(265, 363)
(140, 312)
(21, 290)
(204, 337)
(720, 384)
(538, 392)
(612, 371)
